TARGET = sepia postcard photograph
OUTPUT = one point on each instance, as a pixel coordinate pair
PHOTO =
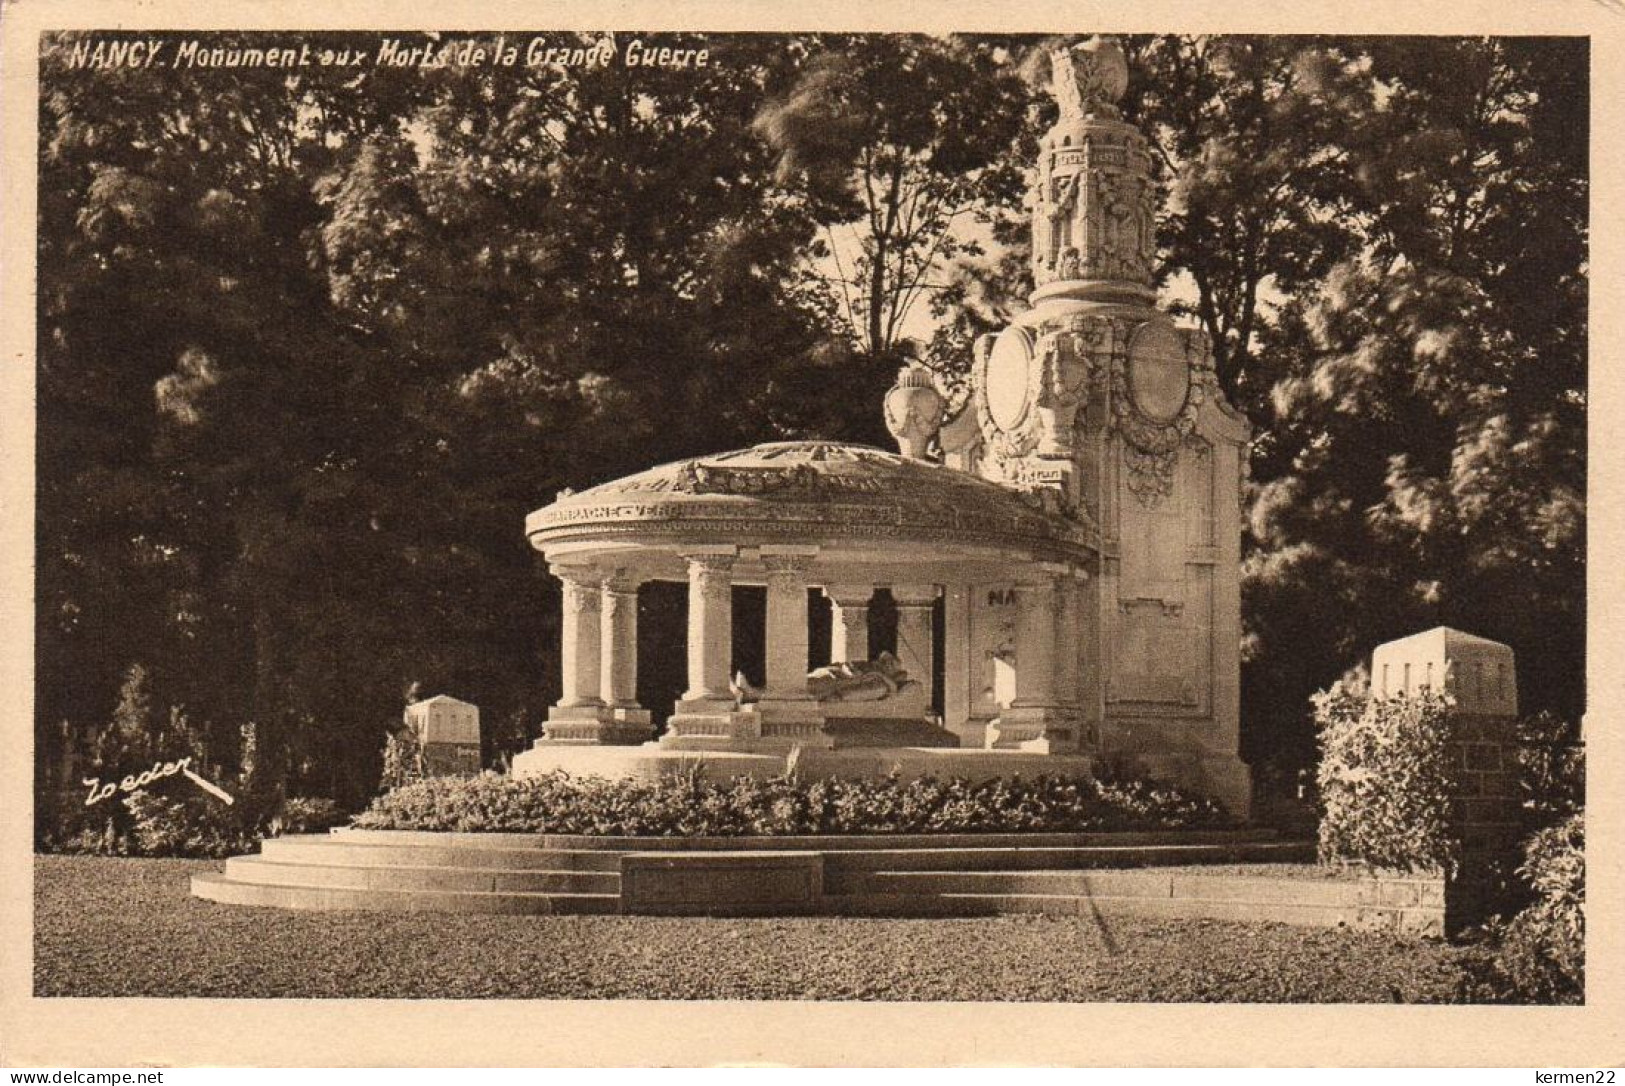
(688, 534)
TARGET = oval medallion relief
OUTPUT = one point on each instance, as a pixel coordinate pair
(1007, 378)
(1158, 375)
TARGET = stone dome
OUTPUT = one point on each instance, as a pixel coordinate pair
(810, 491)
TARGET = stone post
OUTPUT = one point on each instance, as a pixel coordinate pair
(849, 628)
(915, 649)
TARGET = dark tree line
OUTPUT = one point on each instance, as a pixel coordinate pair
(312, 342)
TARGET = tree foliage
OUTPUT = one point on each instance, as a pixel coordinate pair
(902, 146)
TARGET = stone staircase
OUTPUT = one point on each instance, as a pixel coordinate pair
(923, 875)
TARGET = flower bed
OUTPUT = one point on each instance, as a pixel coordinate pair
(784, 806)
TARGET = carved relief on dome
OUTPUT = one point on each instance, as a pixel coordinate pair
(801, 489)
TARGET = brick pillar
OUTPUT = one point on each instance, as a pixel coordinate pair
(1484, 813)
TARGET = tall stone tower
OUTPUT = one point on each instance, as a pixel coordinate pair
(1099, 406)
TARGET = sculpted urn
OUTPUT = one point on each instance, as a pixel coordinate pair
(914, 411)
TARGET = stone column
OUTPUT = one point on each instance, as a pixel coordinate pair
(788, 711)
(787, 621)
(849, 626)
(1038, 719)
(619, 637)
(710, 629)
(957, 667)
(707, 716)
(914, 635)
(580, 715)
(581, 642)
(1036, 627)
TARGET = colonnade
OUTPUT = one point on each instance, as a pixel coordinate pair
(599, 646)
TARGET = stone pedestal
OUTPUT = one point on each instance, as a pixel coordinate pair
(1481, 676)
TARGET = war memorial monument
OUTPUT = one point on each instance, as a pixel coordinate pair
(1078, 518)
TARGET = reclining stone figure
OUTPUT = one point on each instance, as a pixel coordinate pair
(849, 680)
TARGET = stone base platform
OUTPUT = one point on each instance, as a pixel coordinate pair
(1086, 875)
(651, 761)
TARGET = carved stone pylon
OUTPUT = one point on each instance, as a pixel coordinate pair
(1094, 220)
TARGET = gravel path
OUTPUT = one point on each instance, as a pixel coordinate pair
(128, 927)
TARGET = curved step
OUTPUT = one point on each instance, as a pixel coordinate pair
(959, 874)
(341, 851)
(1091, 856)
(1146, 883)
(229, 892)
(828, 843)
(259, 869)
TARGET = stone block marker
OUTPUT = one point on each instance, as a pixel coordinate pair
(449, 730)
(1477, 672)
(1481, 676)
(758, 883)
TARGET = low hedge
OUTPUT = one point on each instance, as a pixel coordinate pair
(147, 823)
(783, 806)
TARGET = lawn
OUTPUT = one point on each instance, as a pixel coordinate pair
(127, 927)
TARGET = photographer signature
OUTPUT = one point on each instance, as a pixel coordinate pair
(137, 781)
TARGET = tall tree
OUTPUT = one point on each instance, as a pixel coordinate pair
(1426, 462)
(905, 149)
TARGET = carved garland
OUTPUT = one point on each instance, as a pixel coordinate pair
(1151, 447)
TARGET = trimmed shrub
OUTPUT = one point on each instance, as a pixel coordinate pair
(781, 806)
(1551, 769)
(1539, 955)
(190, 826)
(1386, 780)
(403, 759)
(307, 814)
(147, 823)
